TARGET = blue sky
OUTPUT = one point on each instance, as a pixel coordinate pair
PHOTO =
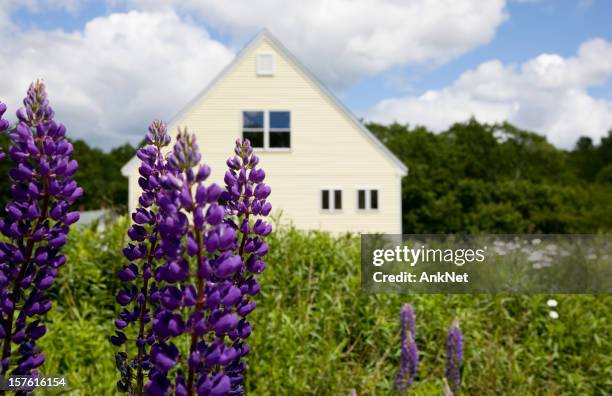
(533, 27)
(544, 65)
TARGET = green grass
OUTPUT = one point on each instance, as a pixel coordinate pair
(316, 334)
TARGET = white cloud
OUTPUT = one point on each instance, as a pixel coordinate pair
(109, 80)
(344, 40)
(548, 94)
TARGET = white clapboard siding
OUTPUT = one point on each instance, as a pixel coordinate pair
(329, 149)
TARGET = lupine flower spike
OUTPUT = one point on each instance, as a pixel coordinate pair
(36, 227)
(409, 356)
(454, 356)
(215, 294)
(142, 253)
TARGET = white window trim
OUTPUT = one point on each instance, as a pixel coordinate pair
(332, 200)
(368, 198)
(266, 130)
(265, 73)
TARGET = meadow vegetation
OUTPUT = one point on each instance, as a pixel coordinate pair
(315, 333)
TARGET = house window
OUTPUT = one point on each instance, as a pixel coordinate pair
(253, 127)
(367, 199)
(331, 200)
(280, 129)
(267, 129)
(265, 64)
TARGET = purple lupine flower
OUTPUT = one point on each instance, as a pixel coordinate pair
(142, 252)
(409, 355)
(208, 303)
(246, 196)
(4, 124)
(454, 356)
(407, 321)
(192, 229)
(36, 225)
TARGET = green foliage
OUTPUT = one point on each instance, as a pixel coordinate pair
(316, 334)
(499, 179)
(100, 175)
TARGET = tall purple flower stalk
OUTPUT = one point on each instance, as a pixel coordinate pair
(142, 252)
(454, 356)
(206, 280)
(409, 356)
(36, 225)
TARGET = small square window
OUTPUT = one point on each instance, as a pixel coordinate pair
(280, 139)
(280, 120)
(265, 64)
(253, 119)
(256, 138)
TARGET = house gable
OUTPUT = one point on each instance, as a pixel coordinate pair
(241, 73)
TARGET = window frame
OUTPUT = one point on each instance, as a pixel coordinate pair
(332, 199)
(368, 198)
(266, 129)
(265, 73)
(263, 129)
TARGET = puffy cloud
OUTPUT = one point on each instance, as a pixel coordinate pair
(109, 80)
(548, 94)
(362, 37)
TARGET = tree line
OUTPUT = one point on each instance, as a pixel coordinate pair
(497, 178)
(473, 177)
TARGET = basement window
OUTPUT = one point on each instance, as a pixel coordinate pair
(265, 64)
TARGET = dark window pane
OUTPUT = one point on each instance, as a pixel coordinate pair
(280, 120)
(256, 138)
(337, 199)
(280, 139)
(324, 199)
(361, 195)
(253, 119)
(374, 199)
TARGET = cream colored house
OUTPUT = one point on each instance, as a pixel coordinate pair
(326, 170)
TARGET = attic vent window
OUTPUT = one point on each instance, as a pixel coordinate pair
(265, 64)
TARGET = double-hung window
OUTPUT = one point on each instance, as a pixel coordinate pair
(331, 200)
(367, 199)
(267, 129)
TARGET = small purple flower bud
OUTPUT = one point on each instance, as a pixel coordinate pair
(214, 215)
(229, 267)
(203, 173)
(214, 192)
(226, 323)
